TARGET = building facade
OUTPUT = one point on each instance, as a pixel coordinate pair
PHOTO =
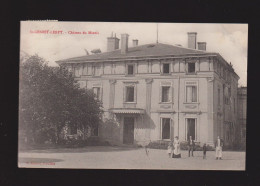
(159, 91)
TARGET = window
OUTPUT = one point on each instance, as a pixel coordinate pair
(130, 91)
(191, 67)
(191, 128)
(191, 94)
(165, 94)
(229, 92)
(77, 71)
(165, 128)
(234, 105)
(226, 100)
(219, 96)
(166, 68)
(130, 69)
(97, 70)
(97, 92)
(94, 131)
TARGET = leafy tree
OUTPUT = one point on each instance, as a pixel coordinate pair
(49, 97)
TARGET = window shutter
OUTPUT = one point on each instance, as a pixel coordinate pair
(124, 94)
(194, 94)
(171, 128)
(160, 94)
(172, 94)
(135, 93)
(101, 94)
(188, 94)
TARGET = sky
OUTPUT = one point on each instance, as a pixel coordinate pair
(229, 40)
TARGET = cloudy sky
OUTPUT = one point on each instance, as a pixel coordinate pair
(230, 40)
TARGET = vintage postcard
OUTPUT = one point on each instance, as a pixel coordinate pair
(110, 95)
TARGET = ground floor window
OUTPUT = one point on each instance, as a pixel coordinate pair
(97, 93)
(95, 131)
(165, 128)
(191, 128)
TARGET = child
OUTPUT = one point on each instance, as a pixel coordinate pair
(204, 150)
(146, 150)
(169, 151)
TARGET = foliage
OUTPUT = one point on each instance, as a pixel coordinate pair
(160, 144)
(184, 146)
(49, 98)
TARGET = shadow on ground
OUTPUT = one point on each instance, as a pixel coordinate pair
(82, 150)
(38, 160)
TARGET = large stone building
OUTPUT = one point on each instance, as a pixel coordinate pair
(159, 91)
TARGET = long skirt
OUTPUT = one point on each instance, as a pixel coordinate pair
(176, 152)
(176, 155)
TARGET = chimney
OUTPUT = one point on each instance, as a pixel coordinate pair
(135, 42)
(202, 46)
(124, 43)
(112, 43)
(192, 39)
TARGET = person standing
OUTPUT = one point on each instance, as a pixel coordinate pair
(177, 148)
(204, 148)
(219, 144)
(191, 145)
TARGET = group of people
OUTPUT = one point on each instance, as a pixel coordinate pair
(174, 148)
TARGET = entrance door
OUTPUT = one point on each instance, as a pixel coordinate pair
(191, 128)
(128, 137)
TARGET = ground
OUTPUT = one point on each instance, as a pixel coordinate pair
(106, 157)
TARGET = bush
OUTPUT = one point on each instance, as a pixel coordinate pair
(77, 143)
(160, 144)
(184, 146)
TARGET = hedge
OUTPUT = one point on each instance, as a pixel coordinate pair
(160, 144)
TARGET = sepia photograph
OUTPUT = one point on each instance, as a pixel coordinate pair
(132, 95)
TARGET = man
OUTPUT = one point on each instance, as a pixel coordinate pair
(191, 145)
(219, 144)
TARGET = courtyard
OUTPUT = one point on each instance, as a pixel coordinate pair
(113, 157)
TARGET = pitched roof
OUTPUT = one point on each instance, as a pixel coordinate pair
(148, 50)
(157, 49)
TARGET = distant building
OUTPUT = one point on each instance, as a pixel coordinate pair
(159, 91)
(242, 110)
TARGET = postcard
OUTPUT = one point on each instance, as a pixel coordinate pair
(121, 95)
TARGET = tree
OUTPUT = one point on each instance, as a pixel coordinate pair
(49, 97)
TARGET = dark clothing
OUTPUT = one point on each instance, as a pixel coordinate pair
(176, 155)
(204, 154)
(204, 148)
(191, 149)
(191, 145)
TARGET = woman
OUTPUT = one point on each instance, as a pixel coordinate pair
(177, 149)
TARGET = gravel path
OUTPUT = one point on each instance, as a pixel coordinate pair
(128, 158)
